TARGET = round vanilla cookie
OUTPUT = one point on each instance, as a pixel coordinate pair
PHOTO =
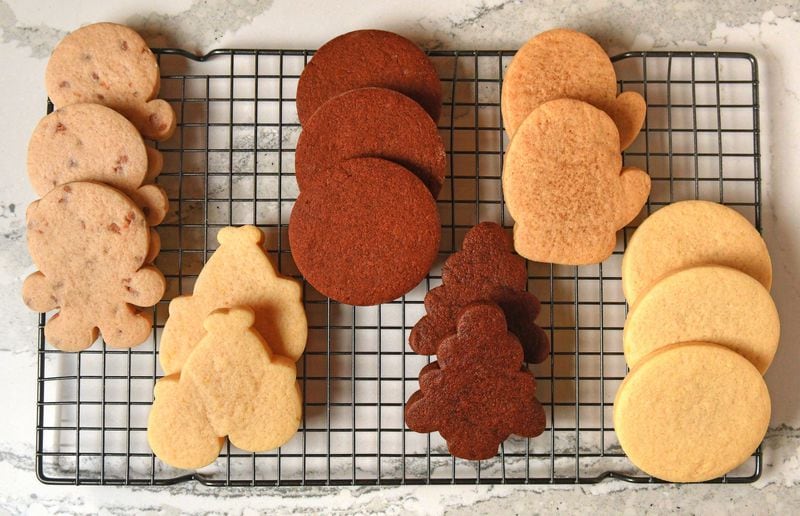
(710, 303)
(691, 412)
(690, 233)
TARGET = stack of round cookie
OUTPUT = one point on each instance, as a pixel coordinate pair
(369, 164)
(563, 179)
(91, 232)
(701, 330)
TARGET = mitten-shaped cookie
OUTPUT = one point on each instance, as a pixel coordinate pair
(243, 390)
(238, 273)
(563, 63)
(475, 398)
(90, 243)
(485, 269)
(110, 64)
(90, 142)
(564, 184)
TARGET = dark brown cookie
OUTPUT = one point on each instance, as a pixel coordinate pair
(371, 122)
(475, 399)
(365, 233)
(486, 269)
(365, 58)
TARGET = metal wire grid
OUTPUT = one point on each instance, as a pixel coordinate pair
(231, 162)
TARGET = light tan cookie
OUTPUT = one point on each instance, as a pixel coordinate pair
(564, 184)
(90, 243)
(708, 303)
(110, 64)
(89, 142)
(154, 248)
(239, 273)
(691, 412)
(178, 430)
(233, 379)
(690, 233)
(563, 63)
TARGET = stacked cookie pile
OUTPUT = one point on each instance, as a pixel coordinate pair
(91, 232)
(228, 352)
(480, 324)
(563, 179)
(369, 164)
(701, 330)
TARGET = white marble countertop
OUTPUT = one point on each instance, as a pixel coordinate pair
(770, 30)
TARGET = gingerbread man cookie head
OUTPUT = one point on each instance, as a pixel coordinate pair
(473, 398)
(110, 64)
(90, 142)
(90, 243)
(564, 184)
(563, 63)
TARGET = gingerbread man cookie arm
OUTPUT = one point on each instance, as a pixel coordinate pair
(38, 293)
(155, 163)
(145, 287)
(153, 201)
(156, 120)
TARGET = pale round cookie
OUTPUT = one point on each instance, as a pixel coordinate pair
(690, 233)
(563, 63)
(691, 412)
(709, 303)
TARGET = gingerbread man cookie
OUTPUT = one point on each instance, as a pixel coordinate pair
(110, 64)
(90, 243)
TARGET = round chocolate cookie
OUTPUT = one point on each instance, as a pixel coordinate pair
(371, 122)
(367, 232)
(368, 58)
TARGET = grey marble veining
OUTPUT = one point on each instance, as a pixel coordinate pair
(770, 30)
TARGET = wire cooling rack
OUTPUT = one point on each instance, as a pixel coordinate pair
(231, 162)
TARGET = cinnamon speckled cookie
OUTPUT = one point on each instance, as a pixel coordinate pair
(110, 64)
(89, 142)
(90, 243)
